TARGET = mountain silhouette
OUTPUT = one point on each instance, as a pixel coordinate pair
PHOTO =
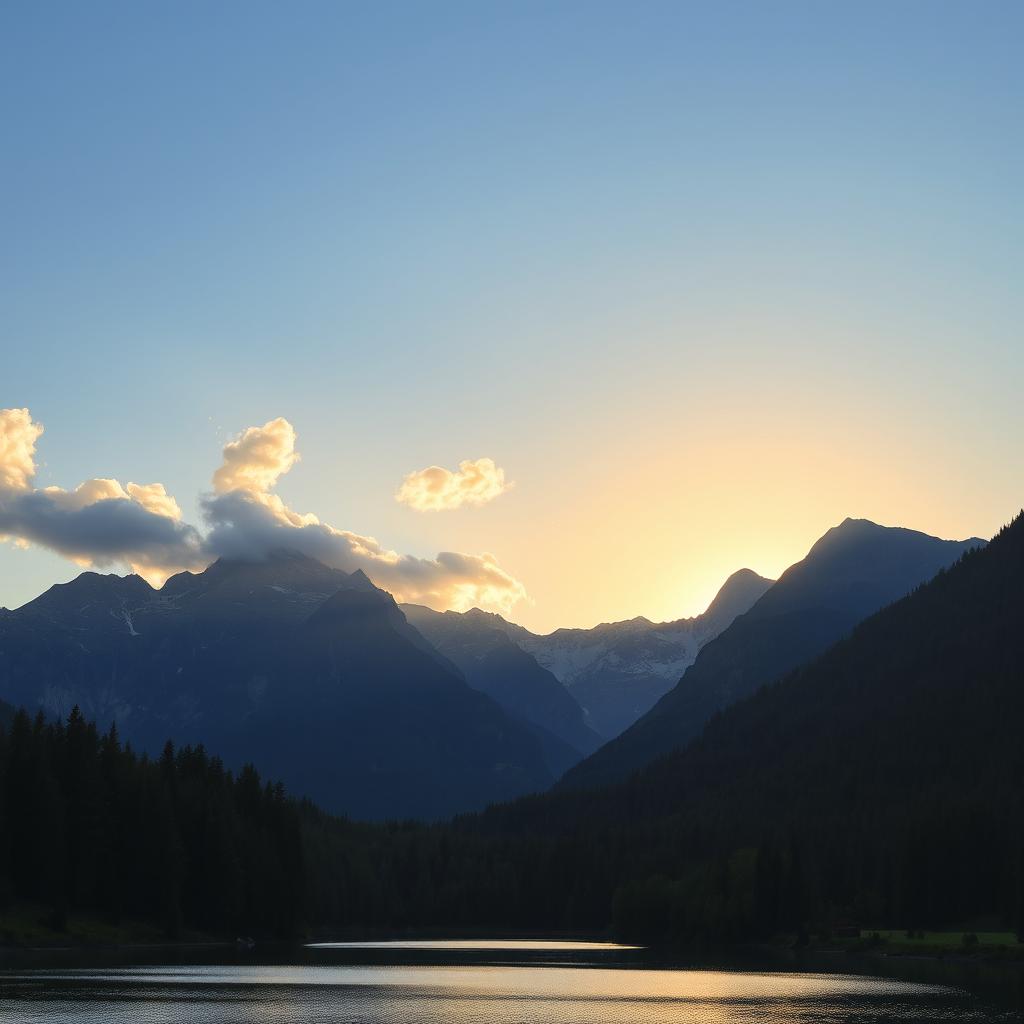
(310, 672)
(853, 570)
(617, 670)
(495, 665)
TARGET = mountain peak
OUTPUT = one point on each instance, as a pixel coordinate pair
(92, 586)
(478, 615)
(851, 527)
(360, 581)
(276, 556)
(278, 565)
(736, 596)
(854, 538)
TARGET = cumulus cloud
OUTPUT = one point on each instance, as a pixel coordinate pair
(97, 523)
(247, 521)
(101, 523)
(18, 436)
(154, 498)
(256, 459)
(435, 488)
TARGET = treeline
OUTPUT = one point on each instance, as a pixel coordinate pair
(704, 877)
(88, 826)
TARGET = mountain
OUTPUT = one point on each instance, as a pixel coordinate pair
(876, 786)
(495, 665)
(310, 672)
(616, 671)
(853, 570)
(878, 783)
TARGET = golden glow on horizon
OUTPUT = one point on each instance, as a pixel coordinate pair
(610, 529)
(656, 530)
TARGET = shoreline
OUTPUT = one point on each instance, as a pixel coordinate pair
(996, 979)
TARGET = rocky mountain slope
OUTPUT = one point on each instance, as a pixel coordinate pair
(312, 673)
(618, 670)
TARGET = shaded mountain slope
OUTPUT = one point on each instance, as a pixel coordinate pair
(853, 570)
(307, 671)
(878, 783)
(495, 665)
(616, 671)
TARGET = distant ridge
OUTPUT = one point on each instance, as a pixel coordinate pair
(479, 643)
(617, 670)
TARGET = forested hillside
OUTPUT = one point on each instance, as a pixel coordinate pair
(86, 826)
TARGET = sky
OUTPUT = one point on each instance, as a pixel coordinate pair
(667, 289)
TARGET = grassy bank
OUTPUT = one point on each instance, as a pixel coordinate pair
(895, 942)
(28, 925)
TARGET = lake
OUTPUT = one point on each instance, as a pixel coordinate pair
(471, 982)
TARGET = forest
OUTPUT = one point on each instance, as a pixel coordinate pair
(88, 826)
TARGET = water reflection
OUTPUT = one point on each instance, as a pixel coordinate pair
(471, 993)
(490, 945)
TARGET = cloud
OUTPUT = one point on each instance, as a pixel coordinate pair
(247, 521)
(101, 523)
(436, 488)
(257, 458)
(18, 436)
(154, 498)
(247, 526)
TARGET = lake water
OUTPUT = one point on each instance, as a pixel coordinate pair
(471, 982)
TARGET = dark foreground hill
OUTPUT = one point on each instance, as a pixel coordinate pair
(853, 570)
(311, 673)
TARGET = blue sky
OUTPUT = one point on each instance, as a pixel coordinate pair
(703, 278)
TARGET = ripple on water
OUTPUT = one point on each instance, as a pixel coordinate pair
(471, 994)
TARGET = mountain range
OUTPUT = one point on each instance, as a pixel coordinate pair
(615, 671)
(874, 784)
(855, 569)
(313, 673)
(877, 783)
(318, 677)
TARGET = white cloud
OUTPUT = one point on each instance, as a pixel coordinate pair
(248, 521)
(102, 523)
(257, 458)
(99, 522)
(435, 488)
(154, 498)
(18, 436)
